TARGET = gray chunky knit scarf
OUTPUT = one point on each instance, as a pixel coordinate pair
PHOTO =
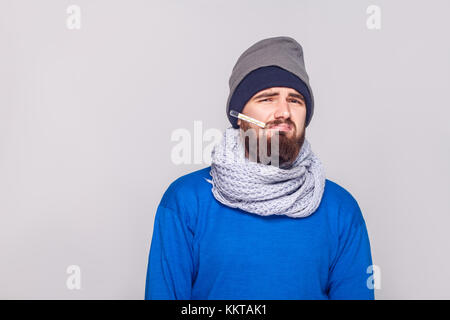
(294, 191)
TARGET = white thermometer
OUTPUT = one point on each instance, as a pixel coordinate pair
(247, 118)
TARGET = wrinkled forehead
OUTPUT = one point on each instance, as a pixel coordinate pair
(274, 91)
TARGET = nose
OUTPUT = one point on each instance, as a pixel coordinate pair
(282, 111)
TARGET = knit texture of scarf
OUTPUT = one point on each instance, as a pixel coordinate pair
(294, 190)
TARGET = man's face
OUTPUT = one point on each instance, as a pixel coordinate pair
(282, 109)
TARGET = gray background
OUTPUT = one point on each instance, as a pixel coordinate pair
(86, 118)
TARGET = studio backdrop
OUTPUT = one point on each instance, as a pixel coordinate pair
(98, 98)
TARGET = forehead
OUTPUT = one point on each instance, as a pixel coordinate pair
(278, 90)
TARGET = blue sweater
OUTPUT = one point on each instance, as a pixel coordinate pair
(202, 249)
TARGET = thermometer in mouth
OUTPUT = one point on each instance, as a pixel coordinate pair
(247, 118)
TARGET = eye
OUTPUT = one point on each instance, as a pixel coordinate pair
(296, 101)
(265, 99)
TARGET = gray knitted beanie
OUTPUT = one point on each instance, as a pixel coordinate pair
(283, 52)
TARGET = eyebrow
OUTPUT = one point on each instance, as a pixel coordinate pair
(273, 94)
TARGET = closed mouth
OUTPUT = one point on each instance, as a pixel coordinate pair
(281, 127)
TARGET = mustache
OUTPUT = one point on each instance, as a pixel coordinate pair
(278, 122)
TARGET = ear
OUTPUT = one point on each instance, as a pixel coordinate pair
(239, 122)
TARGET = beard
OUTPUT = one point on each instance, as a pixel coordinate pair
(289, 144)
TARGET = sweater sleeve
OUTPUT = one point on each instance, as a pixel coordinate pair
(348, 273)
(170, 264)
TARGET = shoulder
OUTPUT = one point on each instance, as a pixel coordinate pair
(185, 192)
(341, 204)
(337, 193)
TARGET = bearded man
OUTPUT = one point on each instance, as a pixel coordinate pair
(249, 229)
